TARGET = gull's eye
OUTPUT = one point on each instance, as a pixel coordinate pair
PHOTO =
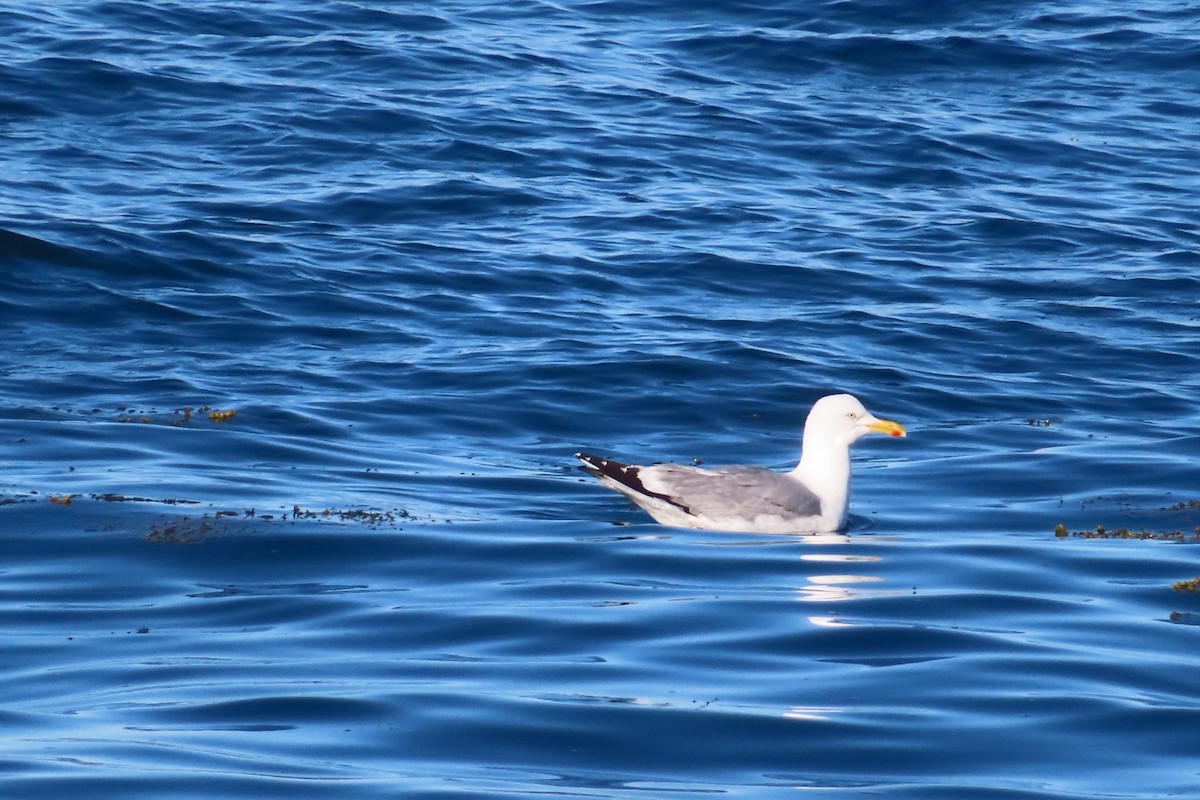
(852, 415)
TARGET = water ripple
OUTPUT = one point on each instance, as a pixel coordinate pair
(426, 254)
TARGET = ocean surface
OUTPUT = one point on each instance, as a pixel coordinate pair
(307, 305)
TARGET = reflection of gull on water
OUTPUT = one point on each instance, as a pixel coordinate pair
(814, 497)
(826, 588)
(836, 587)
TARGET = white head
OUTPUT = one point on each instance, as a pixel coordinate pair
(842, 419)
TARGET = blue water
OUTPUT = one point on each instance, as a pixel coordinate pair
(427, 252)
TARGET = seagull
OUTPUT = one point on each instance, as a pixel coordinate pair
(812, 498)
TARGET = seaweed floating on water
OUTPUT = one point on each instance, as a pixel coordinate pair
(1101, 532)
(109, 497)
(176, 418)
(368, 517)
(184, 530)
(192, 530)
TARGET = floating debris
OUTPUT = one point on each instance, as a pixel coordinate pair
(1101, 532)
(369, 517)
(184, 531)
(177, 417)
(189, 530)
(1185, 505)
(216, 521)
(8, 501)
(1192, 585)
(109, 497)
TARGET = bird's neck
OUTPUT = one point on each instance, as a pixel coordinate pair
(825, 469)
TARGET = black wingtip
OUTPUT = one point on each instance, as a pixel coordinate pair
(626, 474)
(592, 465)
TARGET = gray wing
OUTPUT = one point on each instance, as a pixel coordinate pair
(734, 491)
